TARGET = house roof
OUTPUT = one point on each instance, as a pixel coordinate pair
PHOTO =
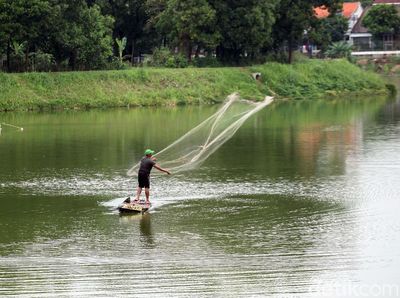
(348, 9)
(387, 2)
(358, 27)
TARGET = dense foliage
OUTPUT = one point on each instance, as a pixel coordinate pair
(324, 32)
(382, 19)
(97, 34)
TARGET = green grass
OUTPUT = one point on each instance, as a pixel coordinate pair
(155, 86)
(317, 79)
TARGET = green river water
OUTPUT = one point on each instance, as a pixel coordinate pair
(303, 201)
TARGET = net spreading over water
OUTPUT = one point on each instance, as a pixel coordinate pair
(192, 149)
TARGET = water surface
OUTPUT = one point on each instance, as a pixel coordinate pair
(302, 201)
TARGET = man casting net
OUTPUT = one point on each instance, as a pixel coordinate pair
(193, 148)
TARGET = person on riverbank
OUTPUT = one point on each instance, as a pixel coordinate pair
(146, 165)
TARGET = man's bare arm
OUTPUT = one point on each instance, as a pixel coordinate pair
(161, 169)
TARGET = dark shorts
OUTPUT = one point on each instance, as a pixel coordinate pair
(144, 180)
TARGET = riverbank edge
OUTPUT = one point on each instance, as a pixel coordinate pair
(169, 87)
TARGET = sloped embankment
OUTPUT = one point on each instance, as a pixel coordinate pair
(156, 87)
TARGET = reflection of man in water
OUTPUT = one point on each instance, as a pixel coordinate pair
(146, 164)
(146, 232)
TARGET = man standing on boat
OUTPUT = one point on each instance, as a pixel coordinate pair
(146, 165)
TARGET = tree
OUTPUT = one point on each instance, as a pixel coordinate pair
(65, 29)
(131, 19)
(96, 42)
(365, 3)
(325, 31)
(294, 17)
(121, 43)
(336, 27)
(189, 23)
(245, 27)
(81, 35)
(382, 19)
(23, 21)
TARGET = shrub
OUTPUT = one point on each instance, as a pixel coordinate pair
(177, 61)
(162, 57)
(41, 61)
(116, 63)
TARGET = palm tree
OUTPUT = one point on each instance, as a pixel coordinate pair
(339, 49)
(121, 43)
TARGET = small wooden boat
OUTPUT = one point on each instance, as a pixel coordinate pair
(128, 207)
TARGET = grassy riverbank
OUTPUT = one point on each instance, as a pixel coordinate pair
(153, 86)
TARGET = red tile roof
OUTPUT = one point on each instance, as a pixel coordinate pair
(348, 9)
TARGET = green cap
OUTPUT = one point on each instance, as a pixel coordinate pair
(149, 152)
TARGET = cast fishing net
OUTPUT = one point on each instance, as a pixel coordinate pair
(193, 148)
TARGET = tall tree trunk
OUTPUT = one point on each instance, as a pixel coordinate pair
(185, 47)
(290, 51)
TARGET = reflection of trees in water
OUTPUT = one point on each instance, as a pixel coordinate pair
(94, 138)
(390, 114)
(306, 138)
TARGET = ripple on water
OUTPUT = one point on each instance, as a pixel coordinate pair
(281, 255)
(178, 187)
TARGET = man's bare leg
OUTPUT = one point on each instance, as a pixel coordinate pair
(147, 192)
(138, 193)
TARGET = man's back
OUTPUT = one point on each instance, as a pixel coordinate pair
(146, 164)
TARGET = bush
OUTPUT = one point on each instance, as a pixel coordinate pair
(41, 61)
(162, 57)
(116, 63)
(177, 61)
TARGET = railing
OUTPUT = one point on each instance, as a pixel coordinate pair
(376, 53)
